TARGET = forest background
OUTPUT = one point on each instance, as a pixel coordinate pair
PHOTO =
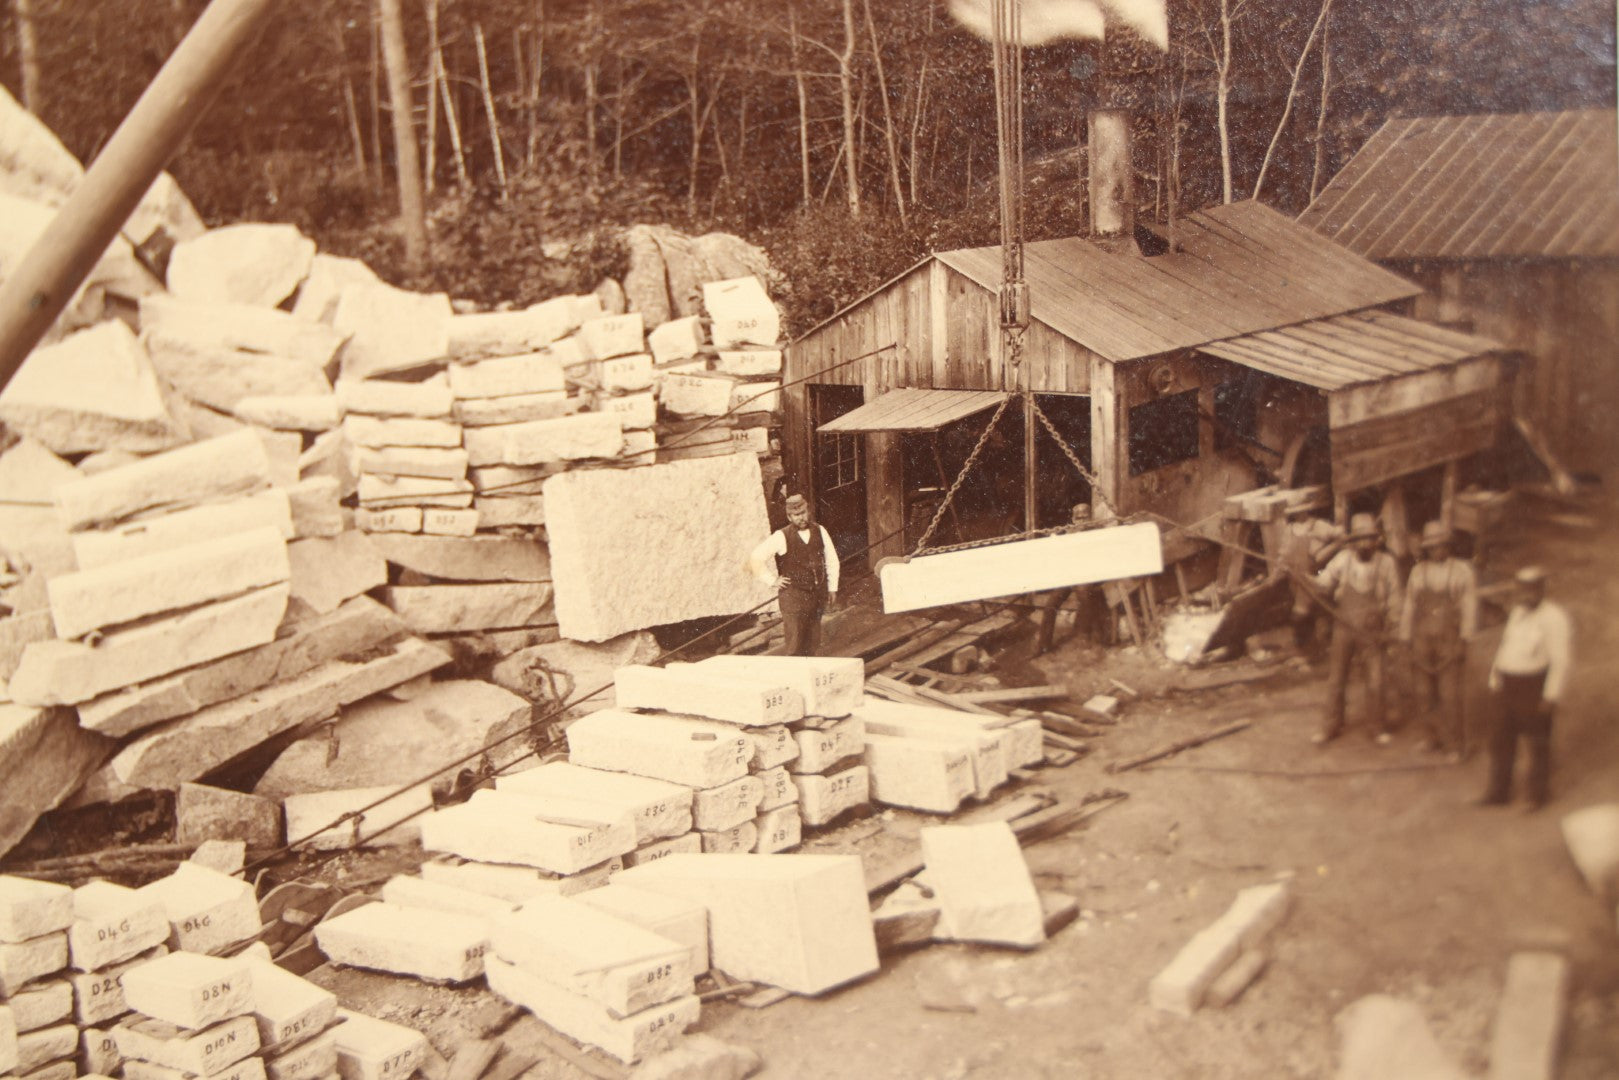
(847, 137)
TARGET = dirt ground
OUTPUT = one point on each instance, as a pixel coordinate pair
(1401, 887)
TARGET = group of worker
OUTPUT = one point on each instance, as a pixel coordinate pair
(1430, 619)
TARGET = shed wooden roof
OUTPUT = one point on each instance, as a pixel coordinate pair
(1242, 268)
(914, 409)
(1470, 187)
(1345, 350)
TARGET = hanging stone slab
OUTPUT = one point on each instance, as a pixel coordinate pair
(93, 390)
(250, 263)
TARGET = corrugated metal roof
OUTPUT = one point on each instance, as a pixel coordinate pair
(1344, 350)
(1242, 268)
(913, 409)
(1472, 187)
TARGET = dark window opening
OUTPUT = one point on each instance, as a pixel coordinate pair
(1163, 432)
(1236, 413)
(838, 458)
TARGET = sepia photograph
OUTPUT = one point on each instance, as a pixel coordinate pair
(807, 539)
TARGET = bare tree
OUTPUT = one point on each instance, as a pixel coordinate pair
(851, 165)
(803, 103)
(429, 166)
(489, 111)
(1321, 113)
(888, 119)
(28, 55)
(1219, 56)
(412, 213)
(1292, 95)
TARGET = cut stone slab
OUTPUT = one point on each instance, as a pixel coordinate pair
(207, 910)
(498, 511)
(676, 340)
(325, 573)
(741, 313)
(391, 818)
(819, 748)
(23, 961)
(506, 333)
(481, 558)
(675, 918)
(700, 1057)
(442, 463)
(773, 746)
(312, 1060)
(779, 788)
(93, 390)
(196, 745)
(800, 922)
(634, 411)
(536, 442)
(376, 431)
(515, 408)
(222, 467)
(199, 1053)
(401, 519)
(1019, 741)
(44, 757)
(982, 882)
(728, 805)
(379, 740)
(756, 397)
(31, 909)
(689, 844)
(1592, 836)
(372, 1049)
(98, 1052)
(1236, 979)
(291, 412)
(627, 374)
(617, 964)
(416, 892)
(658, 809)
(36, 1049)
(357, 626)
(315, 509)
(435, 946)
(681, 750)
(439, 522)
(1385, 1038)
(1181, 987)
(578, 673)
(328, 276)
(429, 399)
(249, 1068)
(533, 373)
(749, 362)
(168, 581)
(383, 491)
(512, 479)
(628, 1039)
(692, 394)
(822, 798)
(246, 327)
(156, 535)
(501, 827)
(987, 747)
(780, 829)
(112, 924)
(636, 548)
(750, 440)
(919, 773)
(41, 1004)
(448, 609)
(285, 451)
(694, 691)
(30, 531)
(615, 335)
(222, 378)
(1529, 1020)
(226, 856)
(732, 841)
(831, 686)
(65, 1069)
(17, 633)
(98, 996)
(250, 263)
(391, 329)
(518, 884)
(190, 990)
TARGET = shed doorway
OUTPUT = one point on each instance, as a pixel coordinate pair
(839, 464)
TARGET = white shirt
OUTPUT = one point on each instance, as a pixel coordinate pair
(762, 566)
(1537, 640)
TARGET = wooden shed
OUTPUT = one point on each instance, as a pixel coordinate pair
(1255, 349)
(1511, 222)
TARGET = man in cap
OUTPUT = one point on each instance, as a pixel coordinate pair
(1363, 586)
(804, 574)
(1528, 676)
(1438, 619)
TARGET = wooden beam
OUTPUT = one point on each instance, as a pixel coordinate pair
(1011, 693)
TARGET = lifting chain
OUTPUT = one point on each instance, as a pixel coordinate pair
(1073, 458)
(972, 459)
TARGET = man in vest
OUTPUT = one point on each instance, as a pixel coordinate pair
(1363, 586)
(804, 575)
(1528, 676)
(1439, 618)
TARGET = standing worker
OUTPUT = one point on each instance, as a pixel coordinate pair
(804, 575)
(1363, 586)
(1300, 552)
(1528, 675)
(1438, 619)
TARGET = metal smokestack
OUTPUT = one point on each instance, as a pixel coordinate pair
(1112, 180)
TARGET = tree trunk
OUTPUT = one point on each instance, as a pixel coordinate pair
(428, 166)
(489, 110)
(888, 118)
(590, 95)
(1292, 95)
(412, 215)
(534, 87)
(28, 55)
(350, 105)
(851, 167)
(451, 124)
(1321, 113)
(803, 105)
(916, 125)
(1222, 97)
